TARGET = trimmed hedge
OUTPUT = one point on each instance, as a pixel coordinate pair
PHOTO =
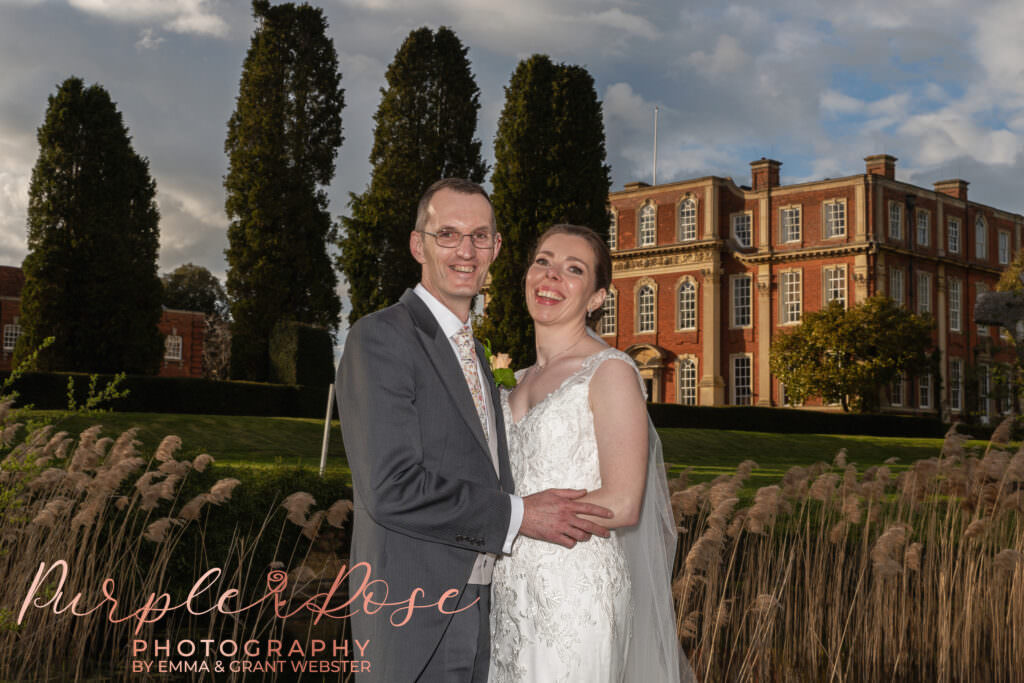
(149, 394)
(301, 354)
(793, 421)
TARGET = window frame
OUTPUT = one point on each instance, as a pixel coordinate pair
(734, 280)
(680, 223)
(981, 238)
(681, 390)
(785, 237)
(642, 232)
(924, 292)
(613, 229)
(1004, 247)
(895, 230)
(834, 273)
(687, 281)
(956, 384)
(734, 219)
(897, 276)
(790, 310)
(733, 375)
(173, 341)
(956, 305)
(924, 392)
(954, 234)
(826, 219)
(610, 318)
(923, 230)
(641, 314)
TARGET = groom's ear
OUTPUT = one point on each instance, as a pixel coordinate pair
(416, 246)
(497, 247)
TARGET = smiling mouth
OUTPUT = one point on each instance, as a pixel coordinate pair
(464, 269)
(547, 296)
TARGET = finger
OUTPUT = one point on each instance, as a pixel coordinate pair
(592, 510)
(569, 493)
(592, 528)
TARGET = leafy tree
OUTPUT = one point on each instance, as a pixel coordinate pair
(425, 130)
(549, 168)
(282, 141)
(194, 288)
(849, 355)
(90, 275)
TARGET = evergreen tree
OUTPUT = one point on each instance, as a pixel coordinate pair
(282, 141)
(549, 168)
(90, 275)
(425, 127)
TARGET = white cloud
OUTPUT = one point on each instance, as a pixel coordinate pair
(148, 41)
(180, 16)
(630, 23)
(726, 58)
(622, 104)
(833, 101)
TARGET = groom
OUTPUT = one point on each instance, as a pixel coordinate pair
(425, 439)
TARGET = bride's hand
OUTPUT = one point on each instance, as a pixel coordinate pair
(553, 515)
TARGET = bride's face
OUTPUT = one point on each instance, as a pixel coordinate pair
(560, 283)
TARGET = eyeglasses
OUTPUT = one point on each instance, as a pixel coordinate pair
(449, 239)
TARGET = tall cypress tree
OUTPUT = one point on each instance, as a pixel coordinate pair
(282, 140)
(91, 275)
(425, 130)
(549, 168)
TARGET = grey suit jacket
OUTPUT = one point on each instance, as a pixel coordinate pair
(427, 499)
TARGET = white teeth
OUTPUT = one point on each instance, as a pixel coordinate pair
(549, 295)
(463, 269)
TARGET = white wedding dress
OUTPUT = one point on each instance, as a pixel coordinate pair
(560, 614)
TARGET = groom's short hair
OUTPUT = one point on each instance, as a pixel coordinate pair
(460, 185)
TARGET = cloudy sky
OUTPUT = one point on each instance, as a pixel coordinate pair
(818, 86)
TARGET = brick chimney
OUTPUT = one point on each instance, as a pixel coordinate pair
(764, 173)
(881, 164)
(955, 188)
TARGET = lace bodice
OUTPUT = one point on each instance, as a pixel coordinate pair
(554, 445)
(559, 614)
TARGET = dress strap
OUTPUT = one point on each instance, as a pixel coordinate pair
(593, 362)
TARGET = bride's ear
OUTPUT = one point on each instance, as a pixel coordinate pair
(596, 300)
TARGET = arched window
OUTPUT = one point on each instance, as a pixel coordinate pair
(613, 229)
(648, 228)
(687, 220)
(688, 382)
(645, 309)
(607, 323)
(687, 305)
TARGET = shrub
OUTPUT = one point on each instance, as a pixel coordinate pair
(301, 354)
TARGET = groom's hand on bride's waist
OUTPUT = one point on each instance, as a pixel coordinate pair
(553, 515)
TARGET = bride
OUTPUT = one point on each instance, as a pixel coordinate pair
(601, 611)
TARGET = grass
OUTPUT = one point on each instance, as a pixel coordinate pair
(263, 442)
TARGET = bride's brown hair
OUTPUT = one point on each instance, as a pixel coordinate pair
(602, 257)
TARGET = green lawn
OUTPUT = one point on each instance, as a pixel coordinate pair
(271, 441)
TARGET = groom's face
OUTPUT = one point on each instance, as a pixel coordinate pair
(455, 274)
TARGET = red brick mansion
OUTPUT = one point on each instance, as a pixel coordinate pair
(183, 331)
(706, 273)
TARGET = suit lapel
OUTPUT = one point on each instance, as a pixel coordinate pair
(441, 355)
(504, 469)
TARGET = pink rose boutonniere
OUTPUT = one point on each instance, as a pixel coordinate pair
(501, 367)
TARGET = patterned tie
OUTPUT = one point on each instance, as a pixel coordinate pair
(464, 342)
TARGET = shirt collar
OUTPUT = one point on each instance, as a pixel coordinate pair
(449, 322)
